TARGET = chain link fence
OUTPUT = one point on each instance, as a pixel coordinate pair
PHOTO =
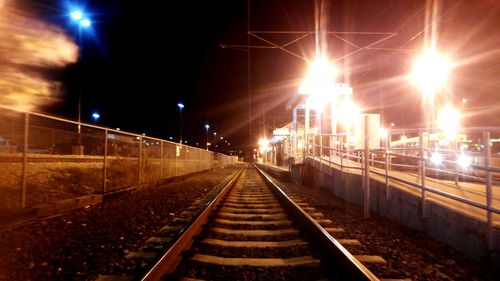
(45, 159)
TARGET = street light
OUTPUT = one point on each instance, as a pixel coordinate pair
(96, 116)
(82, 20)
(181, 106)
(206, 127)
(430, 74)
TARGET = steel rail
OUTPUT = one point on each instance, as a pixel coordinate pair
(170, 259)
(352, 269)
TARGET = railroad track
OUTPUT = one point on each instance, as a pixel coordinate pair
(253, 231)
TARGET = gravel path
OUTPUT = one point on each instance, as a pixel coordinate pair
(94, 240)
(409, 253)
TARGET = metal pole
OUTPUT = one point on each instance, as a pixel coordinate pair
(306, 129)
(105, 161)
(180, 125)
(455, 147)
(161, 159)
(487, 162)
(140, 161)
(387, 157)
(422, 173)
(367, 170)
(25, 161)
(293, 134)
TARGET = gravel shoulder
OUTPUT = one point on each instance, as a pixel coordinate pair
(94, 240)
(408, 252)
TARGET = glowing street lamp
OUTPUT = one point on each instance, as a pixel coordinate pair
(181, 106)
(430, 74)
(449, 121)
(96, 116)
(207, 127)
(82, 20)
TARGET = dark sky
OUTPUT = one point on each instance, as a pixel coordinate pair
(143, 57)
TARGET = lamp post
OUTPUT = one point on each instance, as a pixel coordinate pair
(206, 127)
(83, 22)
(181, 106)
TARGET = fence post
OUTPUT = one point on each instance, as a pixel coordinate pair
(161, 159)
(25, 161)
(105, 161)
(422, 172)
(140, 161)
(387, 159)
(487, 163)
(367, 169)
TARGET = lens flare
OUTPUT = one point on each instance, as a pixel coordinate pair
(28, 47)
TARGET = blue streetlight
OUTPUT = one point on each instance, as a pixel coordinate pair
(82, 20)
(207, 127)
(96, 116)
(181, 106)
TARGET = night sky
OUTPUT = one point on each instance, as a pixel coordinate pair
(140, 58)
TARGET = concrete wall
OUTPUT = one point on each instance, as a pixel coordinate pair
(464, 233)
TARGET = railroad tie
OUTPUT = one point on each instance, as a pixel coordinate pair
(251, 210)
(267, 222)
(169, 229)
(159, 240)
(323, 221)
(334, 229)
(349, 242)
(141, 255)
(250, 216)
(261, 262)
(254, 232)
(370, 259)
(115, 278)
(239, 205)
(255, 244)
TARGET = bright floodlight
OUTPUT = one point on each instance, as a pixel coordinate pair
(76, 15)
(180, 105)
(348, 113)
(384, 133)
(207, 126)
(449, 121)
(430, 72)
(436, 159)
(96, 115)
(319, 83)
(85, 23)
(464, 161)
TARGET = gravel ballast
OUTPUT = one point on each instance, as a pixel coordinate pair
(409, 253)
(94, 240)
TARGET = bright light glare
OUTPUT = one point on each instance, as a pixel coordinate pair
(264, 145)
(430, 72)
(96, 115)
(449, 121)
(319, 83)
(85, 22)
(180, 105)
(384, 133)
(348, 112)
(76, 15)
(464, 161)
(436, 159)
(207, 126)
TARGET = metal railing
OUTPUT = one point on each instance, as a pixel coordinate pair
(45, 158)
(415, 152)
(419, 158)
